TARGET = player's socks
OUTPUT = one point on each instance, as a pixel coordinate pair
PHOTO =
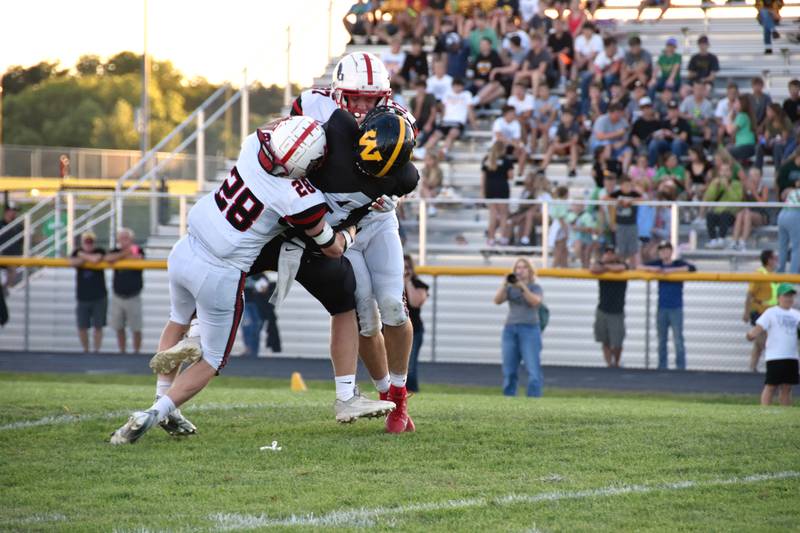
(164, 406)
(382, 385)
(345, 387)
(398, 380)
(162, 386)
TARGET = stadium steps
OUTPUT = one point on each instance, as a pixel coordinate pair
(468, 323)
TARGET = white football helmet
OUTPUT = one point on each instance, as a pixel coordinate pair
(294, 147)
(360, 74)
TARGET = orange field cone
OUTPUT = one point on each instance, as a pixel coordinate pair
(297, 383)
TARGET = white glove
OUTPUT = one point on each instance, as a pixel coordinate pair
(385, 203)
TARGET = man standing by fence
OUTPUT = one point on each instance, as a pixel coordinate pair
(670, 304)
(90, 291)
(609, 321)
(126, 307)
(760, 296)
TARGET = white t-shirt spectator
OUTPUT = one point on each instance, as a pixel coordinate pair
(524, 40)
(521, 106)
(602, 61)
(586, 47)
(527, 9)
(438, 87)
(394, 62)
(781, 327)
(510, 130)
(456, 107)
(723, 108)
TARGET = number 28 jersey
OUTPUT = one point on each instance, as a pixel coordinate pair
(251, 207)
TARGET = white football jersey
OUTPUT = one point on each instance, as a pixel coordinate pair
(251, 207)
(315, 103)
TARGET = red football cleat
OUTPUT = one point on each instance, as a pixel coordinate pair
(397, 420)
(384, 396)
(410, 426)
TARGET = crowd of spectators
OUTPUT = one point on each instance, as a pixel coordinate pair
(571, 89)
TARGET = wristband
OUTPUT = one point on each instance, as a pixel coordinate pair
(326, 237)
(348, 240)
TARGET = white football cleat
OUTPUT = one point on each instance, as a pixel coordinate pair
(187, 350)
(136, 426)
(360, 406)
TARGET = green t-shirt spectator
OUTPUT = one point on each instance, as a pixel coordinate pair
(475, 37)
(665, 64)
(719, 192)
(679, 172)
(744, 130)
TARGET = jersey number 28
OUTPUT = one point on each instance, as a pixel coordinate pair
(242, 206)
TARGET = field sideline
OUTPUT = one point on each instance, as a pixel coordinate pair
(479, 462)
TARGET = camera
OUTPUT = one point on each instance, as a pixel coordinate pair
(511, 279)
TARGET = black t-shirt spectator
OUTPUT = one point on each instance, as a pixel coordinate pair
(90, 284)
(423, 113)
(792, 109)
(127, 283)
(534, 59)
(500, 174)
(679, 126)
(557, 43)
(612, 296)
(482, 65)
(644, 128)
(414, 312)
(703, 65)
(13, 249)
(416, 64)
(540, 23)
(626, 215)
(613, 167)
(565, 134)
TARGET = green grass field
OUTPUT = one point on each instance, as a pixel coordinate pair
(478, 462)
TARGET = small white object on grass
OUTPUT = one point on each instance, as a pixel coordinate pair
(274, 447)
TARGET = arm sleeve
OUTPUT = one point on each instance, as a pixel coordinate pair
(763, 320)
(407, 179)
(297, 106)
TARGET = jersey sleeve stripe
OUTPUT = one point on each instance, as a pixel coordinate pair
(369, 68)
(296, 109)
(400, 138)
(298, 142)
(309, 217)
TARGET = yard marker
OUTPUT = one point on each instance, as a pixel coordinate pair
(297, 383)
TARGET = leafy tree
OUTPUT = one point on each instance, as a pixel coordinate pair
(89, 65)
(17, 78)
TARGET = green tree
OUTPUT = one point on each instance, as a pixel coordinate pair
(17, 78)
(89, 65)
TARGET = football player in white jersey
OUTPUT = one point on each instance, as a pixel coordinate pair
(227, 230)
(360, 83)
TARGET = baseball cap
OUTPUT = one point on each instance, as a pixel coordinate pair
(672, 104)
(664, 244)
(88, 235)
(786, 288)
(672, 41)
(645, 101)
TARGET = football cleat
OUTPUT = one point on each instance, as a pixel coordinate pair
(359, 406)
(187, 350)
(136, 426)
(398, 420)
(178, 425)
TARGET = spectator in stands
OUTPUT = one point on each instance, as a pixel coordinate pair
(63, 166)
(507, 130)
(661, 4)
(431, 180)
(537, 68)
(722, 113)
(791, 106)
(501, 78)
(672, 172)
(456, 112)
(604, 166)
(126, 306)
(522, 102)
(760, 296)
(440, 83)
(642, 175)
(780, 323)
(588, 45)
(609, 317)
(789, 228)
(787, 174)
(423, 107)
(769, 14)
(9, 216)
(522, 336)
(394, 58)
(605, 214)
(697, 110)
(416, 292)
(576, 19)
(643, 129)
(482, 65)
(698, 173)
(255, 289)
(759, 99)
(673, 136)
(669, 68)
(626, 232)
(415, 64)
(524, 38)
(566, 142)
(357, 21)
(521, 222)
(480, 31)
(559, 214)
(637, 64)
(661, 104)
(583, 232)
(616, 94)
(742, 129)
(632, 109)
(670, 304)
(545, 113)
(91, 291)
(496, 170)
(748, 218)
(611, 131)
(561, 46)
(723, 188)
(540, 23)
(606, 67)
(457, 53)
(703, 66)
(774, 131)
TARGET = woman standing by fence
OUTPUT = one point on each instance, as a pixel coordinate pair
(522, 335)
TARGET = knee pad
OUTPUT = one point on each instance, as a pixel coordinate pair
(393, 311)
(369, 320)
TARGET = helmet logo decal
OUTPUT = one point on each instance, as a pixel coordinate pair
(398, 145)
(369, 69)
(370, 144)
(339, 73)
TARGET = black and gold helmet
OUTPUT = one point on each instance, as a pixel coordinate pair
(385, 140)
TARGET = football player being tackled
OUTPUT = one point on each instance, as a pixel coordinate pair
(379, 173)
(227, 231)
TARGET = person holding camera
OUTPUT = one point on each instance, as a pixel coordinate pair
(126, 306)
(522, 336)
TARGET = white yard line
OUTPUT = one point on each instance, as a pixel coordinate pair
(68, 419)
(366, 517)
